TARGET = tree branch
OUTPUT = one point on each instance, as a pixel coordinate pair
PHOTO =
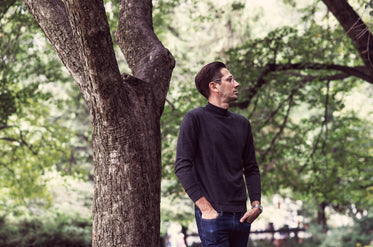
(324, 123)
(282, 127)
(21, 142)
(254, 108)
(326, 117)
(91, 29)
(53, 20)
(254, 90)
(9, 139)
(5, 6)
(355, 28)
(7, 167)
(171, 105)
(5, 126)
(359, 71)
(147, 58)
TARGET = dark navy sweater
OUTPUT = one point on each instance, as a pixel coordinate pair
(215, 151)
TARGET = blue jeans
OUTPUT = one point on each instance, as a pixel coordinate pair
(224, 231)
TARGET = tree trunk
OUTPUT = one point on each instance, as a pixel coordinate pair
(125, 110)
(321, 216)
(127, 171)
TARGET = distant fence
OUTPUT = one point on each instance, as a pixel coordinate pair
(285, 232)
(282, 231)
(278, 240)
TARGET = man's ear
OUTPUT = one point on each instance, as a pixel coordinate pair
(212, 86)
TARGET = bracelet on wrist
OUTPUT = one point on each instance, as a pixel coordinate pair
(260, 207)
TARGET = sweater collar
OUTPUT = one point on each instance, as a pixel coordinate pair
(217, 110)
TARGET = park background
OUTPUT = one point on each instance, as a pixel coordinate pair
(312, 124)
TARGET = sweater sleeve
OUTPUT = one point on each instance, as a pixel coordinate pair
(185, 152)
(251, 169)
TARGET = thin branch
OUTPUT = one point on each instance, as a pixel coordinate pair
(271, 116)
(7, 167)
(6, 7)
(171, 105)
(323, 124)
(5, 126)
(175, 32)
(282, 127)
(254, 108)
(326, 116)
(314, 148)
(21, 141)
(260, 82)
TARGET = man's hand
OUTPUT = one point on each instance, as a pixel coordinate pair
(251, 214)
(208, 212)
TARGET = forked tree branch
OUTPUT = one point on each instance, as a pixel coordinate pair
(147, 58)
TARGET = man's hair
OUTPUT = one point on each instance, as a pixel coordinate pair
(207, 74)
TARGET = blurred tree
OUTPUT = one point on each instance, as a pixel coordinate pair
(125, 109)
(31, 137)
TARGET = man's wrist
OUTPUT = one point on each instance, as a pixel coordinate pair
(257, 205)
(204, 205)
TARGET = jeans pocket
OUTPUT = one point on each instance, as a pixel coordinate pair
(245, 227)
(210, 230)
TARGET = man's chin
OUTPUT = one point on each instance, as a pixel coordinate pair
(234, 98)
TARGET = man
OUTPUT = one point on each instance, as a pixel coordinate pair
(215, 152)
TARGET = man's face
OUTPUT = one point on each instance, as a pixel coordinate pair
(228, 87)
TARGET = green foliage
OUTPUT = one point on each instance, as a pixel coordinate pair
(59, 230)
(361, 234)
(163, 11)
(36, 119)
(305, 137)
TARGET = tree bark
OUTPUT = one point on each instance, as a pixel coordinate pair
(125, 110)
(145, 55)
(321, 216)
(355, 28)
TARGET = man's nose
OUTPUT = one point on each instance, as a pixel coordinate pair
(236, 84)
